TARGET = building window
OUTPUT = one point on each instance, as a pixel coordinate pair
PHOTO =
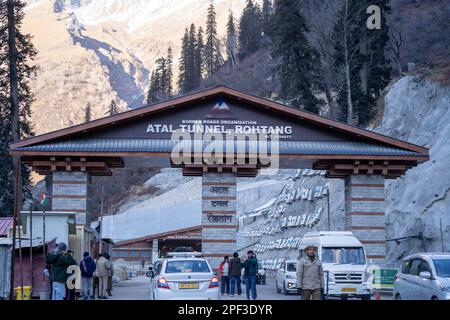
(123, 254)
(145, 254)
(134, 254)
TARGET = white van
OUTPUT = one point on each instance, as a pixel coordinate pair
(344, 263)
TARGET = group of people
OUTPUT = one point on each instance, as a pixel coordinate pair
(94, 274)
(310, 275)
(231, 275)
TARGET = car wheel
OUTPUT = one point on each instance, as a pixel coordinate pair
(366, 297)
(398, 296)
(276, 286)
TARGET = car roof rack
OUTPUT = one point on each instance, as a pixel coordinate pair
(184, 254)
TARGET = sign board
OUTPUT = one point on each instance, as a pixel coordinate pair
(383, 278)
(224, 117)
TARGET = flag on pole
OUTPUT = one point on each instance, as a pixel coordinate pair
(43, 199)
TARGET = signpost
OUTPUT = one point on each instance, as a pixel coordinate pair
(383, 280)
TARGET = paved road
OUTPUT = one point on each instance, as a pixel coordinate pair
(137, 288)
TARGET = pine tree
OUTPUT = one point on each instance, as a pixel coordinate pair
(16, 58)
(183, 61)
(250, 29)
(298, 61)
(191, 81)
(231, 42)
(113, 108)
(199, 57)
(267, 10)
(169, 74)
(88, 112)
(213, 57)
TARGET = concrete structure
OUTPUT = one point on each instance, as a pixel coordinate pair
(219, 218)
(152, 136)
(364, 214)
(58, 225)
(69, 194)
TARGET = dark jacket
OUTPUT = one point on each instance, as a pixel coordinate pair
(59, 264)
(250, 267)
(235, 267)
(87, 267)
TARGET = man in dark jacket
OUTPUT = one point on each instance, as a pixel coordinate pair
(87, 268)
(59, 260)
(235, 274)
(250, 266)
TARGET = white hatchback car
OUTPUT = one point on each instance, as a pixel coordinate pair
(184, 276)
(424, 276)
(286, 278)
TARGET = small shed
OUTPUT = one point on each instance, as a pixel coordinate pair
(5, 267)
(5, 227)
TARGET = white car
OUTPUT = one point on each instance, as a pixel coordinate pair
(424, 276)
(286, 278)
(184, 276)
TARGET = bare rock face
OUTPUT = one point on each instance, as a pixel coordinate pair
(418, 204)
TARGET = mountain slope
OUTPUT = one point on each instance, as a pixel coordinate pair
(101, 50)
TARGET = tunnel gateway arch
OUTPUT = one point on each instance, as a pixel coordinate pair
(142, 138)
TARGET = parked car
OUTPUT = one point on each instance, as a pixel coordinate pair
(286, 277)
(423, 276)
(184, 276)
(261, 276)
(346, 270)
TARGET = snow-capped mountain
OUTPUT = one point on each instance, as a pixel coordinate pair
(98, 50)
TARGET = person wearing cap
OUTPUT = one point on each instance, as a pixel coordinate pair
(87, 268)
(59, 261)
(310, 274)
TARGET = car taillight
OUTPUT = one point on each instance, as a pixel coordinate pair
(162, 283)
(214, 282)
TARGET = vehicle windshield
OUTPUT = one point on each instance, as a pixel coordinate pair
(187, 266)
(291, 267)
(343, 256)
(442, 267)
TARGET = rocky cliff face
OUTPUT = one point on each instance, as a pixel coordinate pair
(417, 205)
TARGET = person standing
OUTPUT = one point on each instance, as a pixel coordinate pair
(110, 276)
(310, 274)
(59, 261)
(103, 265)
(235, 275)
(70, 291)
(87, 268)
(224, 268)
(250, 266)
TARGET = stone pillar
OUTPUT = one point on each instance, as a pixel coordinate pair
(365, 214)
(218, 216)
(155, 250)
(69, 194)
